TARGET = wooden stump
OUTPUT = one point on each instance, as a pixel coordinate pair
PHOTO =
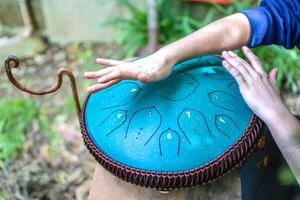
(106, 186)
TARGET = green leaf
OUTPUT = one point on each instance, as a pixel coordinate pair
(16, 116)
(2, 122)
(286, 176)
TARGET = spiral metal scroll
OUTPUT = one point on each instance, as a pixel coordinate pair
(13, 61)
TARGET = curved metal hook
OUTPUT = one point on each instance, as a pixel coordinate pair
(13, 61)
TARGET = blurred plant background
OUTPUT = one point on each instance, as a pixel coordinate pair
(42, 155)
(175, 26)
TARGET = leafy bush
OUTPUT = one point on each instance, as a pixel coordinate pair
(16, 115)
(175, 21)
(134, 29)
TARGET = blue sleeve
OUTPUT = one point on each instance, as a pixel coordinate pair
(275, 22)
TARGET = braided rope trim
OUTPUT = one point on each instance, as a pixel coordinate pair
(222, 165)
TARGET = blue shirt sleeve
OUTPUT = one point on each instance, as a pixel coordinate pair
(275, 22)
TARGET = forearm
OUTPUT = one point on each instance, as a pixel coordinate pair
(228, 33)
(286, 133)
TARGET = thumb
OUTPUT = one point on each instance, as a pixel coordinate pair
(273, 75)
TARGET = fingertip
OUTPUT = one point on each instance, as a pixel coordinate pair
(224, 54)
(245, 48)
(99, 60)
(86, 74)
(89, 75)
(102, 61)
(274, 72)
(91, 89)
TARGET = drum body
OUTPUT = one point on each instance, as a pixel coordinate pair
(186, 130)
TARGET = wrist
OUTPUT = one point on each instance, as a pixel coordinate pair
(168, 55)
(284, 126)
(278, 117)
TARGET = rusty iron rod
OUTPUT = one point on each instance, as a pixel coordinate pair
(13, 61)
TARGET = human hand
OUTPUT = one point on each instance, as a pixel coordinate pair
(257, 88)
(152, 68)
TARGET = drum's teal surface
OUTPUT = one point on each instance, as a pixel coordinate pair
(177, 124)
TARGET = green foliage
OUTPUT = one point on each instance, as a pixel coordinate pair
(82, 54)
(286, 176)
(175, 22)
(3, 195)
(236, 6)
(134, 29)
(85, 57)
(16, 115)
(172, 26)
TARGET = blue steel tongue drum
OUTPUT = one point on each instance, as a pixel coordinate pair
(186, 130)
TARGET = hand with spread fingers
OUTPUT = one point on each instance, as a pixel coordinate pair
(257, 88)
(262, 96)
(151, 68)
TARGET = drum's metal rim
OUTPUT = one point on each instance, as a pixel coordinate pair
(223, 164)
